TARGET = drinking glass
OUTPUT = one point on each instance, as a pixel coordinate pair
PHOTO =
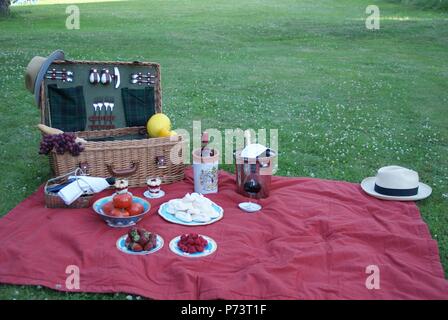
(252, 186)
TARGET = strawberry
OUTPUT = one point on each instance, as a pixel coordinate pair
(153, 238)
(134, 234)
(145, 236)
(141, 231)
(148, 246)
(136, 247)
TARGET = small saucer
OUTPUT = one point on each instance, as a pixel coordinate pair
(249, 207)
(148, 195)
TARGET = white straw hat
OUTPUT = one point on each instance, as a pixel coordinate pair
(396, 183)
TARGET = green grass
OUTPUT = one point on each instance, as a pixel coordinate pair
(425, 4)
(345, 100)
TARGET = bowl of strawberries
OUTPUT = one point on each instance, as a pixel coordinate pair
(121, 210)
(139, 241)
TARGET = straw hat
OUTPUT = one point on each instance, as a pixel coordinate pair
(396, 183)
(36, 69)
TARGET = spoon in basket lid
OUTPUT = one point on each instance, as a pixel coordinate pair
(140, 82)
(141, 76)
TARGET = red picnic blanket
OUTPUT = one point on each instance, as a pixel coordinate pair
(313, 239)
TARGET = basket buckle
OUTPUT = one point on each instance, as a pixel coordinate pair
(84, 166)
(161, 162)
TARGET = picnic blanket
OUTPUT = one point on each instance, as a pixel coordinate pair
(313, 239)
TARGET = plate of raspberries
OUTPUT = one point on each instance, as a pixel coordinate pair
(138, 241)
(193, 245)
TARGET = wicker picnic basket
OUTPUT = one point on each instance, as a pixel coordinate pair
(109, 152)
(53, 200)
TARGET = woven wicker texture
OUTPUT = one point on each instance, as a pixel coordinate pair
(134, 159)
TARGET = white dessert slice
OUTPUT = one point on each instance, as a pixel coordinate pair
(194, 211)
(189, 205)
(204, 200)
(182, 206)
(196, 204)
(170, 209)
(212, 213)
(203, 207)
(184, 216)
(173, 202)
(200, 218)
(188, 198)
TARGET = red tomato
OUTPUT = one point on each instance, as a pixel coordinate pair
(123, 201)
(135, 209)
(108, 207)
(115, 212)
(125, 213)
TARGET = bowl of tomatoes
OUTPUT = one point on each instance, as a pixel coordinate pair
(121, 210)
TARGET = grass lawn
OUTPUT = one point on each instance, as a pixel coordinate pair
(346, 100)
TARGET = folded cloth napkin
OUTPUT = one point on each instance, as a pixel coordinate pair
(82, 185)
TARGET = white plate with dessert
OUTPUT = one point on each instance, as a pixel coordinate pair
(192, 210)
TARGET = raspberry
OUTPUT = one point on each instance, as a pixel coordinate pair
(192, 243)
(192, 250)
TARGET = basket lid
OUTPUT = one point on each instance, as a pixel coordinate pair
(94, 95)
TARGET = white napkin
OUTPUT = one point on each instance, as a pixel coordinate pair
(84, 185)
(253, 150)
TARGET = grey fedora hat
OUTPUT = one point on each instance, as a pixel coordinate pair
(36, 69)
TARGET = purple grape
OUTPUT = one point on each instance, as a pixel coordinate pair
(61, 143)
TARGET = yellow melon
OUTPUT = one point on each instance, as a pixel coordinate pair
(158, 124)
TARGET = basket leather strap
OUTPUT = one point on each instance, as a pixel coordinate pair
(123, 172)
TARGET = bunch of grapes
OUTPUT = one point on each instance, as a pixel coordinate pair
(60, 143)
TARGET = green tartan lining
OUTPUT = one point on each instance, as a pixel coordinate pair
(67, 108)
(138, 105)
